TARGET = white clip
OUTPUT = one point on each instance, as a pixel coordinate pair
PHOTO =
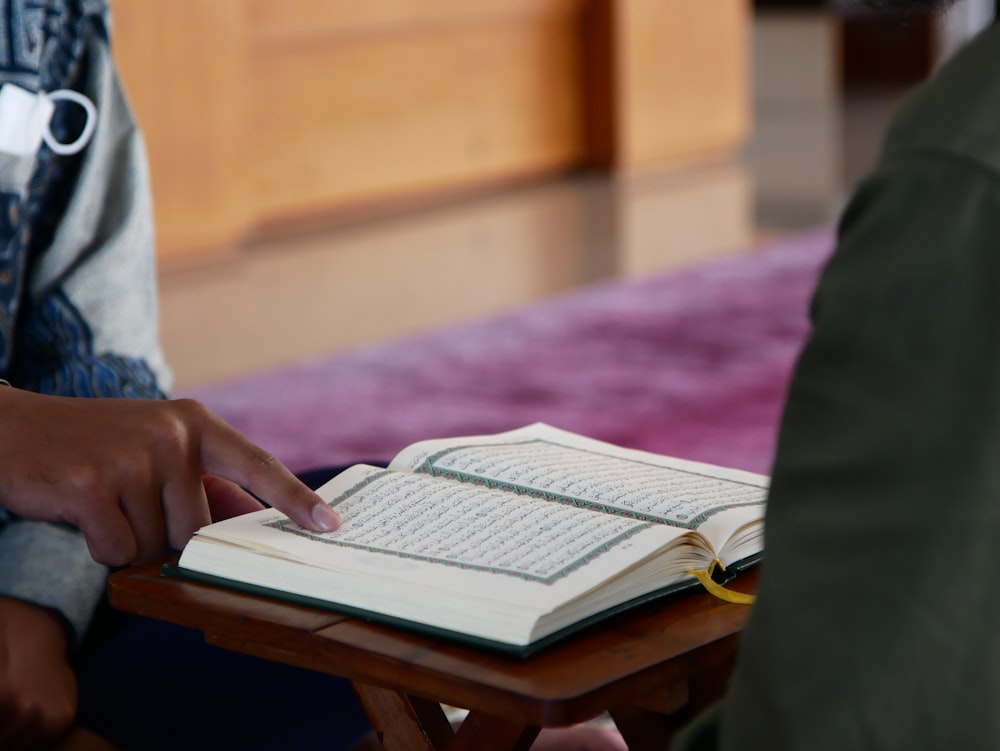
(25, 120)
(88, 128)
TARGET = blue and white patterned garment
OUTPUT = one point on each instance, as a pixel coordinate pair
(77, 268)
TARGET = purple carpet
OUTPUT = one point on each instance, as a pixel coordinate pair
(693, 364)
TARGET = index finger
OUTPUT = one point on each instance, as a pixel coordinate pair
(227, 453)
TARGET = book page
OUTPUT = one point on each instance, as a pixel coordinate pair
(422, 518)
(468, 559)
(553, 465)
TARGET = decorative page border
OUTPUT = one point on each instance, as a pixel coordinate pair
(287, 525)
(428, 467)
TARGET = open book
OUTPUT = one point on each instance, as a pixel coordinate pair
(509, 541)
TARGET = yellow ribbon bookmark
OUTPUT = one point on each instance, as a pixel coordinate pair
(705, 577)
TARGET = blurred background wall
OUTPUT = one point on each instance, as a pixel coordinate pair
(261, 113)
(330, 173)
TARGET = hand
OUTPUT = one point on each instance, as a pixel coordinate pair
(132, 474)
(37, 685)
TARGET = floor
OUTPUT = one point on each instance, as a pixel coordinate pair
(304, 295)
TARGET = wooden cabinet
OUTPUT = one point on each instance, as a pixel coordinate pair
(264, 112)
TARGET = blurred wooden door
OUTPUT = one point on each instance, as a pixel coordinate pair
(259, 113)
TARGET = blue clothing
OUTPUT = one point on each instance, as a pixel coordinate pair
(77, 269)
(153, 686)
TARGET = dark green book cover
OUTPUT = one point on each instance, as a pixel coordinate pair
(518, 650)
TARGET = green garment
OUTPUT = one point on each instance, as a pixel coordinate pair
(879, 607)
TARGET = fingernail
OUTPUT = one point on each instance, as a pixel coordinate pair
(325, 517)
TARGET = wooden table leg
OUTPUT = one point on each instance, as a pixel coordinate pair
(404, 722)
(650, 722)
(434, 720)
(398, 724)
(410, 723)
(483, 732)
(644, 730)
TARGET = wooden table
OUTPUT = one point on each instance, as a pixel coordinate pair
(651, 669)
